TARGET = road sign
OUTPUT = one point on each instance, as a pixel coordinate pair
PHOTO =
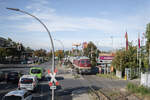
(53, 79)
(53, 87)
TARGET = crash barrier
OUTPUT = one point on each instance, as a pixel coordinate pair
(15, 65)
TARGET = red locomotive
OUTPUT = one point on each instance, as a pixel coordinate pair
(82, 64)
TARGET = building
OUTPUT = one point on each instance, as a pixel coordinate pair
(104, 61)
(3, 41)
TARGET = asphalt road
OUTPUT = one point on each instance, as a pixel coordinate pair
(68, 85)
(63, 92)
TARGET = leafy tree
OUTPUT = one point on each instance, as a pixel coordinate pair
(148, 37)
(3, 54)
(59, 54)
(28, 49)
(40, 53)
(91, 52)
(125, 59)
(49, 54)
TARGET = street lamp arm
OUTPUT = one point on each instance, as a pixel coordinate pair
(60, 43)
(53, 55)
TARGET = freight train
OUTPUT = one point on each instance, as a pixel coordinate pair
(81, 64)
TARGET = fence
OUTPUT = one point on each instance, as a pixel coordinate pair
(145, 79)
(131, 73)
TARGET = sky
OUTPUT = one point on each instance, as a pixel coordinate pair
(104, 22)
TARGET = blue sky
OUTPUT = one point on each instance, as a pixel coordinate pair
(74, 21)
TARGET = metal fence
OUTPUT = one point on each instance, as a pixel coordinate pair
(131, 73)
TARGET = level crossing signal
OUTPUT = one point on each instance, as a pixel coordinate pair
(53, 79)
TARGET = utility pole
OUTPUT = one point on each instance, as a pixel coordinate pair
(112, 43)
(137, 54)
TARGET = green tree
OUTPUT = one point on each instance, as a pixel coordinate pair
(125, 59)
(91, 52)
(148, 37)
(40, 53)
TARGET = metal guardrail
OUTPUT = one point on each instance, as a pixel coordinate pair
(16, 65)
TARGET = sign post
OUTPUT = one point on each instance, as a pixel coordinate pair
(52, 81)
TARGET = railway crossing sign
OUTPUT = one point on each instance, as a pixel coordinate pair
(53, 79)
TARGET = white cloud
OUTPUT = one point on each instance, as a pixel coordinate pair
(56, 22)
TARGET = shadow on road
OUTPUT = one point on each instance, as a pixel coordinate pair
(67, 94)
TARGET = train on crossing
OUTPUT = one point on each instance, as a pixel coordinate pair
(81, 64)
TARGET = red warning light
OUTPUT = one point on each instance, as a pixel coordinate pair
(50, 83)
(57, 83)
(56, 70)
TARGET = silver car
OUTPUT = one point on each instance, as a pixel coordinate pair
(18, 95)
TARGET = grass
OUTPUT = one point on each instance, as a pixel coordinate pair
(138, 89)
(110, 76)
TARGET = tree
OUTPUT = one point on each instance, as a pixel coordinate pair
(59, 54)
(148, 37)
(90, 52)
(40, 53)
(125, 59)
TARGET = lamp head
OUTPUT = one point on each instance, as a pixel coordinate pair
(15, 9)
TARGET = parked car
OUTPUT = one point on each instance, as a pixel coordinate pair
(28, 82)
(13, 76)
(2, 76)
(6, 73)
(18, 95)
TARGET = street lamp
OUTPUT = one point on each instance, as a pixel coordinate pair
(53, 55)
(60, 43)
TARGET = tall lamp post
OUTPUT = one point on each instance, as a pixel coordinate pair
(62, 46)
(53, 55)
(60, 43)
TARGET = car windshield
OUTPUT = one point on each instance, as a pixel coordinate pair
(26, 80)
(35, 71)
(12, 98)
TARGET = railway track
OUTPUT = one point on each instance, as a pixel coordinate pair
(104, 93)
(100, 94)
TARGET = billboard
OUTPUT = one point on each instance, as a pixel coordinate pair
(106, 57)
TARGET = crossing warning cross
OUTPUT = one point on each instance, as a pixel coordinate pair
(53, 79)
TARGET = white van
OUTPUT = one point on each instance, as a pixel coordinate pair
(28, 82)
(18, 95)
